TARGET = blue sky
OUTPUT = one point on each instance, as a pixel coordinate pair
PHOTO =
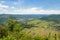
(29, 6)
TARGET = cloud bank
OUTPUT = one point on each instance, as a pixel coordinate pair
(4, 9)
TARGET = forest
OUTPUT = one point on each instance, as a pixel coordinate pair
(29, 27)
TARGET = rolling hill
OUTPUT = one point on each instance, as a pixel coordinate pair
(5, 17)
(55, 18)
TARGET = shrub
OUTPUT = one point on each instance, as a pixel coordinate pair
(3, 31)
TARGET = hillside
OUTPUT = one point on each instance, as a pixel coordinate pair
(29, 27)
(55, 18)
(5, 17)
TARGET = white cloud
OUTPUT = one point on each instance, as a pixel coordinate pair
(33, 10)
(13, 7)
(36, 11)
(3, 6)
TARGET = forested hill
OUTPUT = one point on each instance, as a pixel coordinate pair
(29, 27)
(55, 18)
(23, 15)
(5, 17)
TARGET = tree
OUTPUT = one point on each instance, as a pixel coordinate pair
(3, 31)
(11, 24)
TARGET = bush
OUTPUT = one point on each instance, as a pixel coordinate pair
(37, 37)
(3, 31)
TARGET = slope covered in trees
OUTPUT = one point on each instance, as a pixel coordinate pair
(55, 18)
(31, 29)
(5, 17)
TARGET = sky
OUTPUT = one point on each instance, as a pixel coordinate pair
(29, 6)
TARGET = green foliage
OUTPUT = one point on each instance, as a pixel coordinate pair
(37, 37)
(17, 27)
(3, 31)
(32, 30)
(11, 24)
